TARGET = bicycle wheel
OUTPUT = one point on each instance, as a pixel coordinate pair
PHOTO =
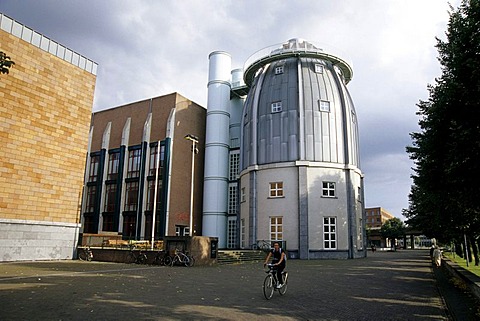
(167, 260)
(82, 255)
(191, 261)
(89, 255)
(283, 289)
(158, 260)
(130, 258)
(265, 247)
(268, 287)
(142, 258)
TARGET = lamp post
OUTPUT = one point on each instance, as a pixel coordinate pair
(194, 140)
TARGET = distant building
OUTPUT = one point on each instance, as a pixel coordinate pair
(376, 216)
(374, 219)
(126, 144)
(45, 109)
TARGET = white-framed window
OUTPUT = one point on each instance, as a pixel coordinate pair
(242, 195)
(328, 189)
(319, 68)
(182, 230)
(330, 233)
(232, 198)
(242, 233)
(276, 107)
(276, 189)
(234, 163)
(324, 105)
(278, 70)
(360, 234)
(276, 228)
(232, 232)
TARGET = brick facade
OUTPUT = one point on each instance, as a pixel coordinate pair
(45, 111)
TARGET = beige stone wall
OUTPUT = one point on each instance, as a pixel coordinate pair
(45, 110)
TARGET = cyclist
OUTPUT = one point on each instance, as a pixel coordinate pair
(279, 261)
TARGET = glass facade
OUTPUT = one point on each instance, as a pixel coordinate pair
(121, 191)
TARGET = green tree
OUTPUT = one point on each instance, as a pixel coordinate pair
(393, 229)
(443, 201)
(5, 63)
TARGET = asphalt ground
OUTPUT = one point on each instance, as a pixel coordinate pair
(384, 286)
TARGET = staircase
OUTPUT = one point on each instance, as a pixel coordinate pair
(240, 256)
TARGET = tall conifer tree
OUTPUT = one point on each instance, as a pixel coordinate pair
(444, 199)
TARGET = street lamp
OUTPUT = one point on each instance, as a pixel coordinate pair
(194, 140)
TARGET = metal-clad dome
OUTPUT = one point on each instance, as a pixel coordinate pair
(298, 108)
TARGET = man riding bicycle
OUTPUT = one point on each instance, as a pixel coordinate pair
(279, 261)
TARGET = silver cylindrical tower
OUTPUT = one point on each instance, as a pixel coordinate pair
(215, 196)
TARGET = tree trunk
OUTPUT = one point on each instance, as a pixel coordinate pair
(478, 243)
(459, 249)
(469, 250)
(473, 245)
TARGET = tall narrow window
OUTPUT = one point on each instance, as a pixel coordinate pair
(276, 228)
(129, 226)
(131, 196)
(242, 233)
(232, 199)
(151, 195)
(276, 189)
(232, 232)
(93, 172)
(134, 163)
(90, 202)
(234, 165)
(242, 195)
(328, 189)
(110, 193)
(276, 107)
(108, 222)
(113, 162)
(330, 233)
(153, 160)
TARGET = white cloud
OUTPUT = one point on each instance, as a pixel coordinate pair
(150, 48)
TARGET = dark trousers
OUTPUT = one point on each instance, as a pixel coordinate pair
(279, 269)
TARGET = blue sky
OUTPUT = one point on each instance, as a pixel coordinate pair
(150, 48)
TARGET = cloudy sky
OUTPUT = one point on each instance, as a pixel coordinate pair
(146, 49)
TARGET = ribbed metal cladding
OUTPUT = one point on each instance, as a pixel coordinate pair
(276, 136)
(215, 196)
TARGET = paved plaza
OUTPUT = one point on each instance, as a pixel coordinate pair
(385, 286)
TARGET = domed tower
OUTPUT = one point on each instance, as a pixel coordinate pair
(300, 179)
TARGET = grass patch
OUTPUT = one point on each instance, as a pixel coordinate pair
(461, 262)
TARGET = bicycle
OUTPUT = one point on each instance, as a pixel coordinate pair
(270, 282)
(85, 254)
(182, 258)
(161, 258)
(263, 245)
(132, 257)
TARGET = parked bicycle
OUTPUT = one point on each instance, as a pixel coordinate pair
(161, 258)
(270, 282)
(263, 245)
(182, 258)
(85, 254)
(138, 258)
